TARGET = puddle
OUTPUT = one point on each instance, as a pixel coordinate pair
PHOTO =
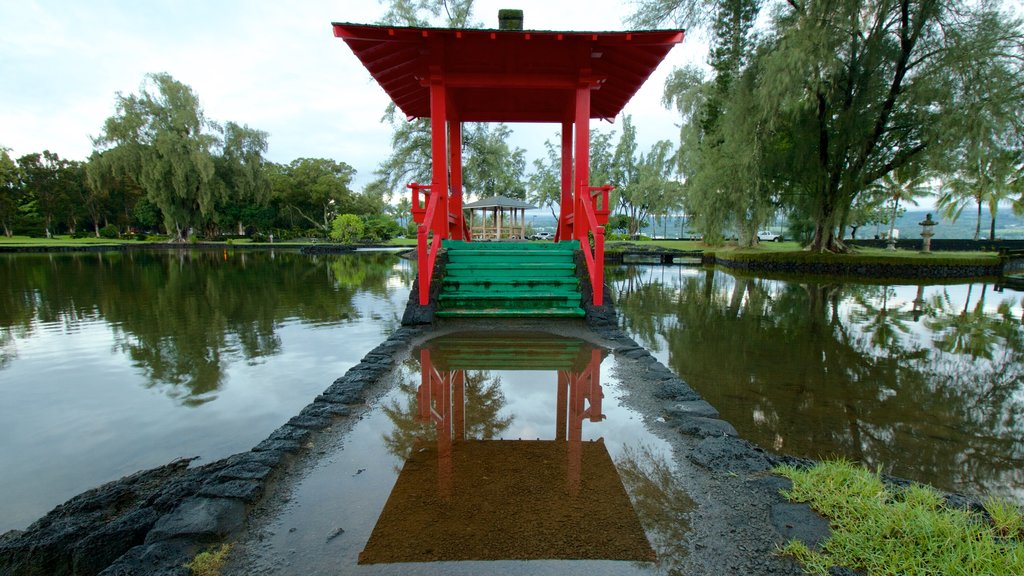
(489, 453)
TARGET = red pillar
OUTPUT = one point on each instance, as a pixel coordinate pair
(582, 158)
(566, 205)
(439, 152)
(455, 161)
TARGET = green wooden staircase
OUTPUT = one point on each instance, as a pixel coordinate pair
(510, 279)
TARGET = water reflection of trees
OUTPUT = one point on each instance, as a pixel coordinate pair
(660, 502)
(184, 316)
(819, 369)
(484, 401)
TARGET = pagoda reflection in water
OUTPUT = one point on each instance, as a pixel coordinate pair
(469, 499)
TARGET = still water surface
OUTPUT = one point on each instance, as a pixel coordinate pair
(923, 381)
(112, 363)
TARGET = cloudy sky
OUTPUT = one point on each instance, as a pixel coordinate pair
(271, 65)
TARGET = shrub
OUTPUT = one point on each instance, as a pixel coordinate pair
(109, 231)
(347, 229)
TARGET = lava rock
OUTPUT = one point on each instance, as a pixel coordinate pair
(200, 519)
(799, 522)
(729, 454)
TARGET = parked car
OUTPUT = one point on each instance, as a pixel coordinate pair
(542, 236)
(767, 236)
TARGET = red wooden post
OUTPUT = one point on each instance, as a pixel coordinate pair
(566, 206)
(439, 154)
(582, 158)
(455, 152)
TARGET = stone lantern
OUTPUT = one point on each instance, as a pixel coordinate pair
(927, 231)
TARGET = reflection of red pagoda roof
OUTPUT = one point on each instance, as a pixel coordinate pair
(508, 76)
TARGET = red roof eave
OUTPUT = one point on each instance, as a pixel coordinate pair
(508, 76)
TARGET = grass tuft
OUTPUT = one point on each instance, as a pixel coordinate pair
(209, 563)
(884, 530)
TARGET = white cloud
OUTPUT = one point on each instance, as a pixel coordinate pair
(272, 65)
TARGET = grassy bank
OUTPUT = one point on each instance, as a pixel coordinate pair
(884, 530)
(69, 242)
(791, 252)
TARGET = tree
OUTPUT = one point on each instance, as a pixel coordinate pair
(725, 138)
(316, 189)
(242, 169)
(165, 143)
(987, 177)
(10, 191)
(44, 179)
(853, 90)
(347, 229)
(546, 179)
(884, 86)
(900, 186)
(99, 180)
(491, 167)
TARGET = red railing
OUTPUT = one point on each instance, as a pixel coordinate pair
(427, 245)
(594, 201)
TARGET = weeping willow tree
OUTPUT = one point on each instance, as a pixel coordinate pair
(161, 138)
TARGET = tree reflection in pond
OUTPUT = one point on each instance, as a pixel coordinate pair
(660, 502)
(484, 401)
(926, 382)
(183, 316)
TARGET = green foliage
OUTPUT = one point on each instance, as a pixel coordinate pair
(163, 141)
(315, 190)
(347, 229)
(210, 562)
(378, 229)
(885, 530)
(109, 231)
(491, 167)
(10, 191)
(834, 96)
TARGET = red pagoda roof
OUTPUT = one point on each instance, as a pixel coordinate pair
(508, 76)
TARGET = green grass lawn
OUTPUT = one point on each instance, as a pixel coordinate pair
(885, 530)
(793, 252)
(61, 241)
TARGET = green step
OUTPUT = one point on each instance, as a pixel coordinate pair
(570, 246)
(508, 258)
(511, 313)
(510, 279)
(500, 266)
(498, 283)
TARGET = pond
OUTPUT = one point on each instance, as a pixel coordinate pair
(115, 362)
(924, 381)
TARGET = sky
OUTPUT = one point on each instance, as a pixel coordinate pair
(271, 65)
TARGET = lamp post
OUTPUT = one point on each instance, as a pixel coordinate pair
(927, 231)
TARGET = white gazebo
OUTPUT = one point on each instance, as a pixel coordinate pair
(499, 218)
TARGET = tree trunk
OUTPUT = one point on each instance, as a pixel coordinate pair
(977, 227)
(992, 227)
